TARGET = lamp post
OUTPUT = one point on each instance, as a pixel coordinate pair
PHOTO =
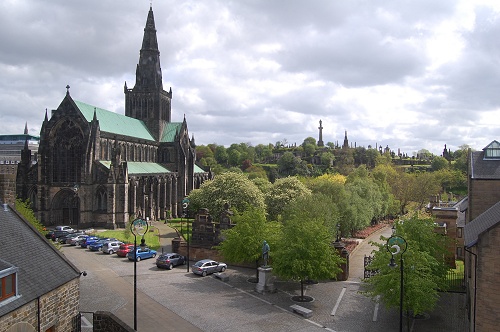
(398, 245)
(137, 227)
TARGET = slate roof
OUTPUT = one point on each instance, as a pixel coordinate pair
(481, 224)
(41, 267)
(115, 123)
(482, 168)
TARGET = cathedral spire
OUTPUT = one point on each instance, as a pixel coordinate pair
(148, 73)
(26, 129)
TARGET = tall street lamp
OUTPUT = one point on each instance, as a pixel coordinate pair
(137, 227)
(397, 245)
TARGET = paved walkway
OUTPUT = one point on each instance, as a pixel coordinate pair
(182, 303)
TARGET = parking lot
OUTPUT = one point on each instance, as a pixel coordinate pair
(209, 304)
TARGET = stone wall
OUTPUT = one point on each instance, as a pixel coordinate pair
(57, 308)
(488, 288)
(483, 194)
(7, 186)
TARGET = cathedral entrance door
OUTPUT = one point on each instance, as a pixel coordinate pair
(65, 208)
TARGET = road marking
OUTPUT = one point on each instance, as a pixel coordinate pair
(338, 302)
(375, 311)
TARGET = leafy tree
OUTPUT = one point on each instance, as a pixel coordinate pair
(309, 140)
(282, 193)
(233, 157)
(263, 184)
(256, 172)
(233, 188)
(402, 185)
(289, 165)
(344, 160)
(460, 157)
(304, 251)
(327, 158)
(243, 242)
(424, 268)
(203, 151)
(424, 186)
(439, 163)
(221, 155)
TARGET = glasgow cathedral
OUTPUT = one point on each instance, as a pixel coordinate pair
(99, 168)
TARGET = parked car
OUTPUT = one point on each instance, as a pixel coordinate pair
(64, 228)
(88, 241)
(64, 239)
(110, 247)
(57, 234)
(141, 254)
(207, 266)
(124, 249)
(49, 233)
(169, 260)
(74, 240)
(97, 245)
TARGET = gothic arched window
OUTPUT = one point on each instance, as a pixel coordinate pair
(67, 153)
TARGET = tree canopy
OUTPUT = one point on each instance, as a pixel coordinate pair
(232, 188)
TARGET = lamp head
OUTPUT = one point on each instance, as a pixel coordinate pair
(392, 264)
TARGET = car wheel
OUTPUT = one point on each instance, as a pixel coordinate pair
(138, 259)
(223, 269)
(171, 266)
(204, 274)
(111, 252)
(154, 255)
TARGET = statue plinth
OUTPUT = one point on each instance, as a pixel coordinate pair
(265, 284)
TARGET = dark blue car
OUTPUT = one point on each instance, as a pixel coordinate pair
(97, 245)
(88, 241)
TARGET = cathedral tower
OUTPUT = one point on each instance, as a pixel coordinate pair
(147, 101)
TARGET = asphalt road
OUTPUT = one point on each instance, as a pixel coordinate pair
(177, 300)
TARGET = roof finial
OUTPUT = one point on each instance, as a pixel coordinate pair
(67, 89)
(151, 4)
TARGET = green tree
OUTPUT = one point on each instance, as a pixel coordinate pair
(424, 268)
(439, 163)
(304, 251)
(282, 193)
(243, 242)
(233, 188)
(221, 155)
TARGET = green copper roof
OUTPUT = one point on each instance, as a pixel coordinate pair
(197, 169)
(135, 167)
(170, 131)
(115, 123)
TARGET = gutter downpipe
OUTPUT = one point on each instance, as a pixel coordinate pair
(38, 313)
(475, 286)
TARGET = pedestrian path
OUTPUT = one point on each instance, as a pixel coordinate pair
(365, 248)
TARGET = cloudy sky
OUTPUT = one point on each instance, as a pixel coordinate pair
(408, 74)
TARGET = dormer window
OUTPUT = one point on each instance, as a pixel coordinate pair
(492, 151)
(8, 283)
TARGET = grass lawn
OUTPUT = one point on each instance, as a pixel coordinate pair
(182, 226)
(152, 237)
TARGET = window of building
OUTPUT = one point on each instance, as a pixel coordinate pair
(492, 150)
(460, 232)
(459, 251)
(8, 283)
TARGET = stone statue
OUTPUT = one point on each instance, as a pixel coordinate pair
(265, 252)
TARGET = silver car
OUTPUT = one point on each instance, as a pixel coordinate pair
(110, 247)
(207, 266)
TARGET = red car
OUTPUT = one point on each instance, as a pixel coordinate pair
(124, 249)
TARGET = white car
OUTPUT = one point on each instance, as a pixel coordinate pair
(76, 239)
(64, 228)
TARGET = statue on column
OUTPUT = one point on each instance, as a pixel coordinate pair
(265, 252)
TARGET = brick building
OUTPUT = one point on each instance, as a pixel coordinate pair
(482, 236)
(100, 168)
(40, 287)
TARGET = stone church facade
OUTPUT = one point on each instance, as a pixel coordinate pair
(97, 168)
